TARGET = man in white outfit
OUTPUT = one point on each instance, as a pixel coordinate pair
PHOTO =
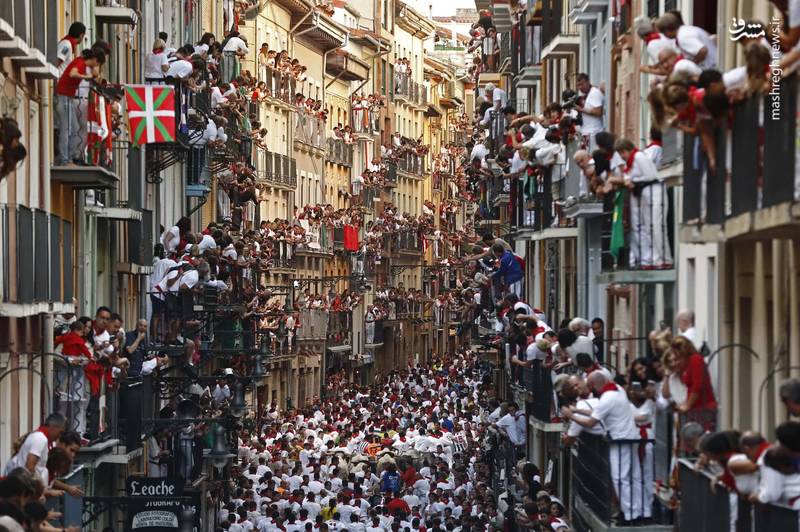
(616, 414)
(649, 248)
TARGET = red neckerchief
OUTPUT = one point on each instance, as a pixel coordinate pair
(629, 162)
(761, 449)
(655, 143)
(679, 58)
(73, 41)
(608, 387)
(46, 431)
(158, 50)
(594, 367)
(652, 36)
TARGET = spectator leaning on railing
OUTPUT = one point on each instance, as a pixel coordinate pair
(66, 92)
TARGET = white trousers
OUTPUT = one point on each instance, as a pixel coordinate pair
(626, 476)
(648, 480)
(649, 246)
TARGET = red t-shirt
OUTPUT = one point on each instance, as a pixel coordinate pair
(697, 380)
(398, 504)
(66, 85)
(74, 345)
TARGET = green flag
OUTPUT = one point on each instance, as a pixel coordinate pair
(618, 225)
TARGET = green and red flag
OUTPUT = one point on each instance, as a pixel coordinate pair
(618, 225)
(151, 113)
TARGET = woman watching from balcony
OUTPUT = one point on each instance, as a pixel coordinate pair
(156, 64)
(700, 404)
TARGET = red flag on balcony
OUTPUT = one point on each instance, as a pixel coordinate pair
(151, 113)
(350, 238)
(99, 137)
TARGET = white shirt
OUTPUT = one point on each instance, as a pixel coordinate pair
(655, 46)
(691, 40)
(574, 430)
(36, 444)
(583, 344)
(207, 242)
(643, 169)
(180, 69)
(236, 44)
(64, 54)
(509, 423)
(777, 487)
(479, 151)
(593, 124)
(190, 279)
(687, 67)
(160, 269)
(691, 335)
(655, 152)
(153, 64)
(171, 238)
(614, 411)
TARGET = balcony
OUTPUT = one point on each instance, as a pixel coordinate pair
(321, 31)
(319, 240)
(559, 36)
(340, 327)
(706, 510)
(586, 11)
(277, 170)
(35, 65)
(339, 152)
(412, 165)
(366, 121)
(313, 325)
(125, 201)
(374, 334)
(391, 175)
(409, 92)
(282, 87)
(118, 14)
(593, 488)
(408, 242)
(755, 171)
(309, 133)
(36, 263)
(347, 67)
(639, 249)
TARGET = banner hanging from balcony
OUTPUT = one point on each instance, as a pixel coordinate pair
(151, 113)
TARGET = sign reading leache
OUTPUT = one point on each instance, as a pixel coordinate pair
(155, 504)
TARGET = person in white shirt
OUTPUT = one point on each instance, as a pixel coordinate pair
(684, 321)
(236, 44)
(654, 42)
(66, 47)
(655, 149)
(33, 452)
(648, 243)
(181, 67)
(591, 110)
(509, 426)
(156, 63)
(616, 414)
(671, 62)
(694, 42)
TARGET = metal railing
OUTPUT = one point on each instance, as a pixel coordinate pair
(643, 215)
(276, 168)
(761, 142)
(605, 470)
(411, 163)
(339, 152)
(281, 86)
(366, 120)
(340, 326)
(408, 90)
(704, 510)
(309, 130)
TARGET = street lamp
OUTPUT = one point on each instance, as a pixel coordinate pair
(220, 454)
(238, 405)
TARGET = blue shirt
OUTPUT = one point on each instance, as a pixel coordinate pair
(510, 269)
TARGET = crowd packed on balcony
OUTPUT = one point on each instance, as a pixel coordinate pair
(366, 111)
